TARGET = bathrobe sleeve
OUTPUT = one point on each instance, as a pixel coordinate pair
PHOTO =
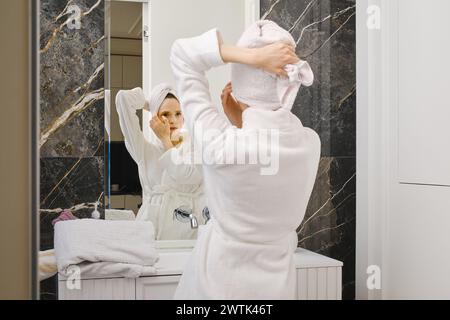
(127, 103)
(190, 59)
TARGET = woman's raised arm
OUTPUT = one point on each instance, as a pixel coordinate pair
(272, 58)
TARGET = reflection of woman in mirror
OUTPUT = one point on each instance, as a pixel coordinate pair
(246, 250)
(167, 183)
(167, 121)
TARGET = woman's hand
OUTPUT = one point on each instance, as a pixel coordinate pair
(161, 128)
(231, 107)
(274, 57)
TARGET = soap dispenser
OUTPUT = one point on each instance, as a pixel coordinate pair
(95, 214)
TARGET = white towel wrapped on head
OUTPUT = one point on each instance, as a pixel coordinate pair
(105, 248)
(158, 94)
(260, 89)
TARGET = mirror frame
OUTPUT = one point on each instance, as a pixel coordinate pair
(34, 87)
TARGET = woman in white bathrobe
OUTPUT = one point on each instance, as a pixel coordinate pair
(246, 250)
(168, 176)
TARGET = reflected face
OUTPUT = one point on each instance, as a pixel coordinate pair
(170, 108)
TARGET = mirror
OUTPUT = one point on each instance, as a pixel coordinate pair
(141, 182)
(123, 188)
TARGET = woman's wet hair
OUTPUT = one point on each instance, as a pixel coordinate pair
(171, 96)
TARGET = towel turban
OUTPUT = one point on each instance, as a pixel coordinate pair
(157, 96)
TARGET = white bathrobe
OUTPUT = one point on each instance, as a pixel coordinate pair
(166, 185)
(246, 251)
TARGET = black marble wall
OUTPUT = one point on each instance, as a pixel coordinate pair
(325, 32)
(71, 113)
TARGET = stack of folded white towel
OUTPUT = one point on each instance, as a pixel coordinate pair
(105, 248)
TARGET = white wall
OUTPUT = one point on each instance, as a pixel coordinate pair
(174, 19)
(403, 220)
(424, 106)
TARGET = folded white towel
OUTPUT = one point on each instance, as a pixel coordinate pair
(105, 248)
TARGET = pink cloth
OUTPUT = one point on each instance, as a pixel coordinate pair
(65, 215)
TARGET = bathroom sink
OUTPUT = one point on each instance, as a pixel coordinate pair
(175, 244)
(172, 261)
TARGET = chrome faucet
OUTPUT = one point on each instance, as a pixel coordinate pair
(206, 215)
(184, 214)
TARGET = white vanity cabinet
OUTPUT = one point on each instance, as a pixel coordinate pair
(156, 288)
(318, 278)
(97, 289)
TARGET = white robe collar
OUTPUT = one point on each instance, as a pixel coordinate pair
(253, 118)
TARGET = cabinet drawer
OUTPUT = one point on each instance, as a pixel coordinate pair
(156, 288)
